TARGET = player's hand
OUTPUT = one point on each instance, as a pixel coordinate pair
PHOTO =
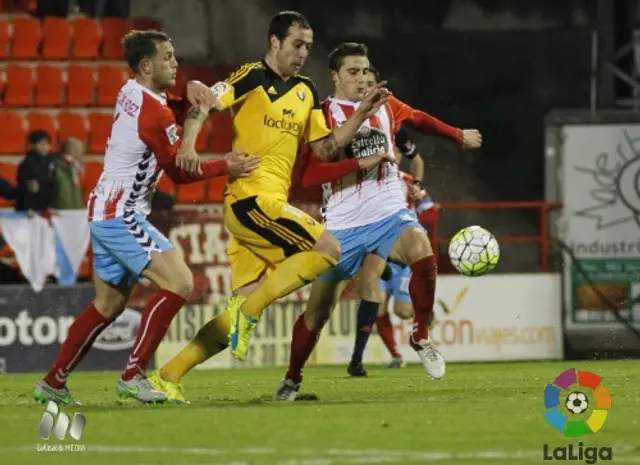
(240, 165)
(187, 159)
(375, 160)
(375, 98)
(200, 95)
(471, 139)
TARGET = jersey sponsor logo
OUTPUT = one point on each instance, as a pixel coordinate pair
(289, 127)
(367, 142)
(220, 89)
(172, 134)
(288, 112)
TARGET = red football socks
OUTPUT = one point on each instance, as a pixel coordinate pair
(422, 289)
(385, 330)
(302, 345)
(156, 318)
(82, 333)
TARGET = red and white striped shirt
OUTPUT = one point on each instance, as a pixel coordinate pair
(144, 137)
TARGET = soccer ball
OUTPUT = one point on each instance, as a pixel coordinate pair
(474, 251)
(577, 403)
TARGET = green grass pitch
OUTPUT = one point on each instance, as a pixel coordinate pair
(480, 414)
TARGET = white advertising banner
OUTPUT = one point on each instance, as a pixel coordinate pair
(492, 318)
(600, 185)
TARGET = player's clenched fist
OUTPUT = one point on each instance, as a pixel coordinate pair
(471, 139)
(240, 165)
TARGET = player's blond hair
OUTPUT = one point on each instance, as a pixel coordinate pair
(139, 45)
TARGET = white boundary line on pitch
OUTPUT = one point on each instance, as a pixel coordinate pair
(326, 457)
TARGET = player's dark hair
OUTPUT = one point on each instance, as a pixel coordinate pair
(281, 23)
(346, 49)
(139, 45)
(375, 71)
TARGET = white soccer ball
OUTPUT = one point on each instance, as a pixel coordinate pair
(577, 403)
(474, 251)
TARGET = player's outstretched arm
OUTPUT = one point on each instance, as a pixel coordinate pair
(318, 172)
(467, 138)
(235, 165)
(328, 147)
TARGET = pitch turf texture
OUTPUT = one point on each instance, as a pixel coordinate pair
(480, 414)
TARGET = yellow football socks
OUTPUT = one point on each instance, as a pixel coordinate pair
(293, 273)
(210, 340)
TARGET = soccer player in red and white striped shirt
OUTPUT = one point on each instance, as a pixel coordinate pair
(144, 144)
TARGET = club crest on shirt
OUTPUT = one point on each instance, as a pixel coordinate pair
(172, 134)
(301, 95)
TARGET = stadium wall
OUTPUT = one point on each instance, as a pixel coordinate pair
(493, 318)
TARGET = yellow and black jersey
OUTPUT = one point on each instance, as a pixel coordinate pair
(270, 116)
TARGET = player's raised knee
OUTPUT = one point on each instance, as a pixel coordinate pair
(328, 245)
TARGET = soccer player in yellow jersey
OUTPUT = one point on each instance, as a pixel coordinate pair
(275, 248)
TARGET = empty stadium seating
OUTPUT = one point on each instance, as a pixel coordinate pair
(50, 86)
(63, 76)
(13, 132)
(110, 80)
(72, 124)
(82, 85)
(87, 37)
(44, 121)
(113, 30)
(27, 34)
(19, 85)
(4, 38)
(56, 39)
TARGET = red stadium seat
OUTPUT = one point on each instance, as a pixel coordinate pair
(72, 124)
(110, 80)
(92, 172)
(27, 35)
(44, 121)
(50, 86)
(221, 131)
(86, 38)
(144, 24)
(57, 38)
(113, 30)
(19, 87)
(191, 193)
(100, 131)
(4, 38)
(81, 86)
(13, 133)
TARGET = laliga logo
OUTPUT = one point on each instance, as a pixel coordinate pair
(577, 404)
